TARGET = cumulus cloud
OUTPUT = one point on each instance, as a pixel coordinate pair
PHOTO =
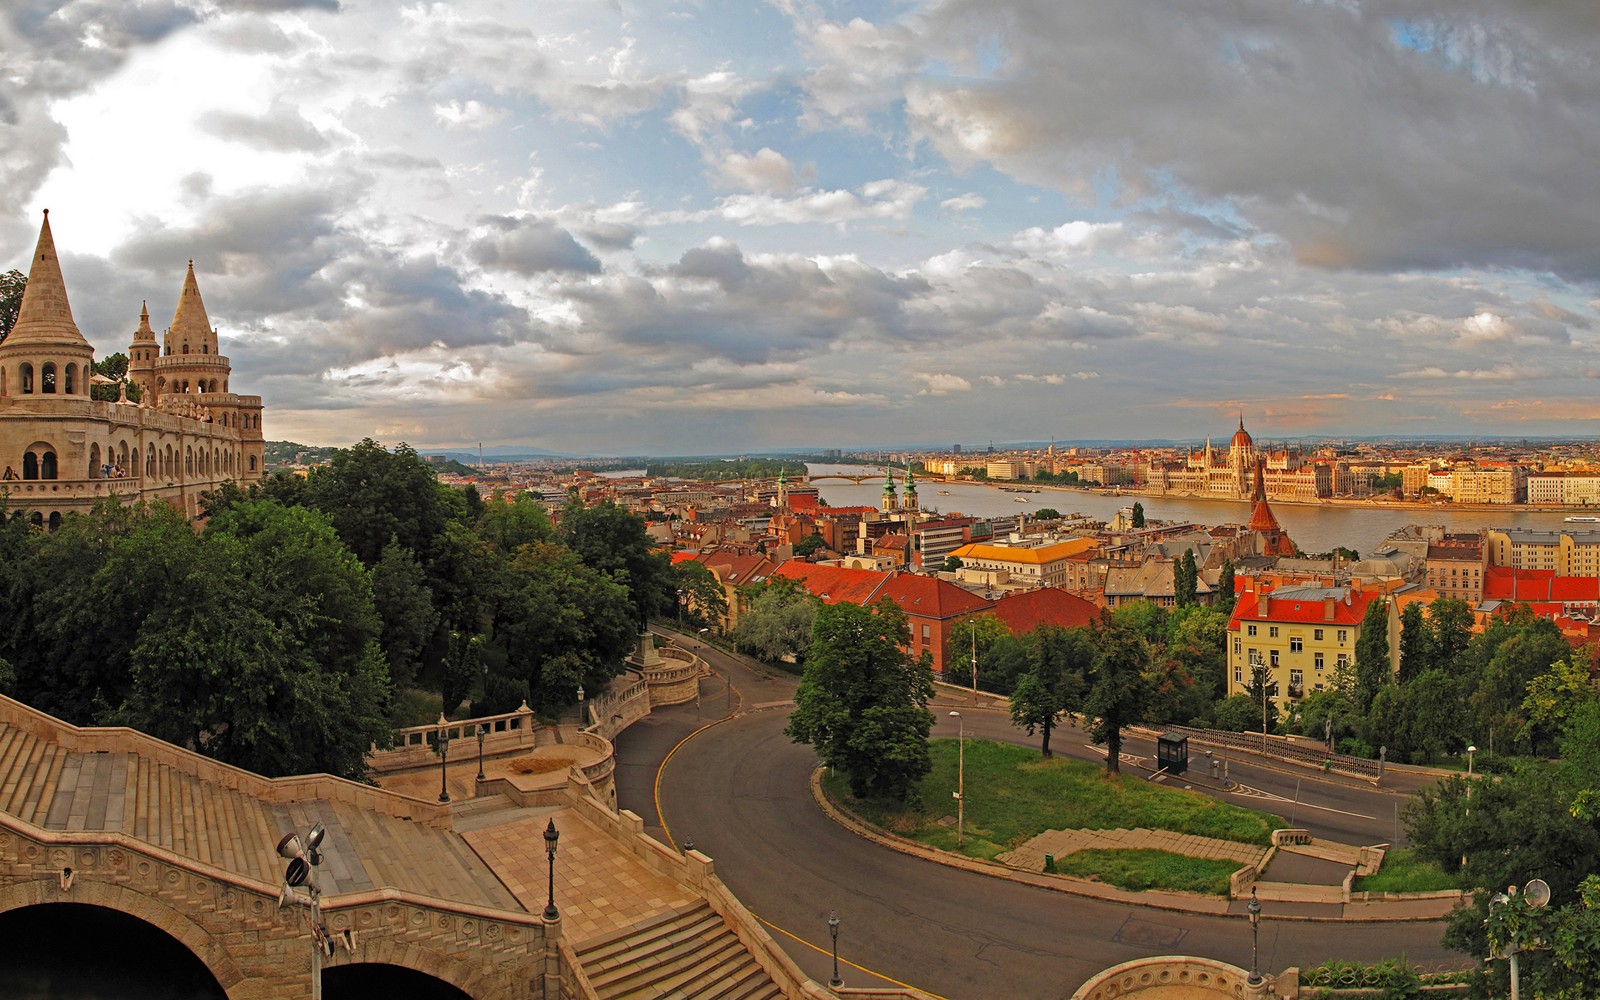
(471, 114)
(941, 383)
(532, 246)
(766, 171)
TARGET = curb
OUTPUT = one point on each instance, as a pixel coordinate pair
(1154, 899)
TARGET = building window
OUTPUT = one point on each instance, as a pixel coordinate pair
(1238, 675)
(1343, 634)
(1341, 661)
(1316, 634)
(1236, 646)
(1294, 644)
(1317, 661)
(1272, 632)
(1274, 655)
(1297, 684)
(1250, 630)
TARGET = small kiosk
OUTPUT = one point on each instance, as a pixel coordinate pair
(1172, 753)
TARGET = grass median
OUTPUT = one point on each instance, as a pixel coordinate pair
(1012, 795)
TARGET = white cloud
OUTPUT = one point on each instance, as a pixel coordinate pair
(766, 171)
(941, 383)
(469, 114)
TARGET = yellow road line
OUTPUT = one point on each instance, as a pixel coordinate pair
(824, 951)
(662, 818)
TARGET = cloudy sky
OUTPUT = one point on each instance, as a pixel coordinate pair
(691, 227)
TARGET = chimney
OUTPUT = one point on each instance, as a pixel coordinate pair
(1327, 609)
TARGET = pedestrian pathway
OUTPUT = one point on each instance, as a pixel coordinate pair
(1060, 843)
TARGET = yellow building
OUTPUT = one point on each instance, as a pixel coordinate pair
(62, 449)
(1302, 636)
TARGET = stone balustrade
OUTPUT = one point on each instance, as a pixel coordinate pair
(413, 746)
(1199, 976)
(119, 739)
(32, 491)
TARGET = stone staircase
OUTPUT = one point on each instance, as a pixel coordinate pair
(682, 953)
(190, 812)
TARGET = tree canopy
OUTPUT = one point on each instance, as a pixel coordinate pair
(862, 702)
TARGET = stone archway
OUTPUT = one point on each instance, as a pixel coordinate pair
(87, 950)
(431, 966)
(372, 979)
(135, 905)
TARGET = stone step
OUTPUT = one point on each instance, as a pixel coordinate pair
(599, 948)
(663, 973)
(739, 981)
(24, 764)
(655, 942)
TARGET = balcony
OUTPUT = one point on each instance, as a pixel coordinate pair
(30, 492)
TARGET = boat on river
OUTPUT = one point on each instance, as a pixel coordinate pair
(1582, 519)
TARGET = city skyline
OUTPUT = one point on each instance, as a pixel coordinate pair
(714, 227)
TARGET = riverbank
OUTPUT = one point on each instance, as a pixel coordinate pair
(1350, 502)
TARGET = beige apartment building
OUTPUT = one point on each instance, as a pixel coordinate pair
(1302, 637)
(1564, 488)
(1566, 553)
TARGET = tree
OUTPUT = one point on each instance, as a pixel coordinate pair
(862, 702)
(700, 594)
(1435, 717)
(1058, 660)
(1530, 650)
(1225, 585)
(372, 495)
(975, 636)
(951, 564)
(1138, 514)
(1450, 631)
(1556, 695)
(1047, 514)
(12, 284)
(405, 608)
(1413, 642)
(1185, 580)
(1119, 691)
(1372, 654)
(509, 526)
(613, 540)
(808, 546)
(776, 624)
(1197, 639)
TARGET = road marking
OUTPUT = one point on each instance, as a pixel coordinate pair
(845, 961)
(1256, 793)
(661, 817)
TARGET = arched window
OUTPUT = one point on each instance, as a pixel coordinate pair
(150, 461)
(30, 465)
(47, 378)
(166, 462)
(55, 520)
(47, 466)
(186, 348)
(95, 470)
(213, 386)
(37, 519)
(252, 463)
(188, 462)
(161, 385)
(71, 379)
(25, 375)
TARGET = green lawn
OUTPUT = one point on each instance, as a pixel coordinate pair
(1013, 795)
(1142, 869)
(1403, 871)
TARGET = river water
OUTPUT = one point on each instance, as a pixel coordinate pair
(1313, 527)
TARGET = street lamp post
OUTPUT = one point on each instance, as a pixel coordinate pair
(961, 774)
(583, 720)
(972, 629)
(483, 730)
(304, 856)
(833, 932)
(444, 756)
(551, 835)
(1254, 909)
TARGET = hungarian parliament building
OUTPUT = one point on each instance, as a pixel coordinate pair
(1231, 474)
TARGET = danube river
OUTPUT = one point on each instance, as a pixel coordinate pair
(1313, 527)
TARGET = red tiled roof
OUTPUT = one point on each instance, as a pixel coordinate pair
(1311, 612)
(1026, 610)
(1529, 586)
(834, 584)
(930, 597)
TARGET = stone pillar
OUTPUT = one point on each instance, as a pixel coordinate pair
(550, 980)
(645, 657)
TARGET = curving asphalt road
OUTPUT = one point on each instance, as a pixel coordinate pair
(738, 789)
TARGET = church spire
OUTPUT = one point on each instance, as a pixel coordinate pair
(191, 331)
(45, 317)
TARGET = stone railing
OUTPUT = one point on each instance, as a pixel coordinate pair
(75, 739)
(42, 490)
(676, 682)
(626, 702)
(1166, 973)
(413, 746)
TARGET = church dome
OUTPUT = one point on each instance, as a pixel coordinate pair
(1241, 437)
